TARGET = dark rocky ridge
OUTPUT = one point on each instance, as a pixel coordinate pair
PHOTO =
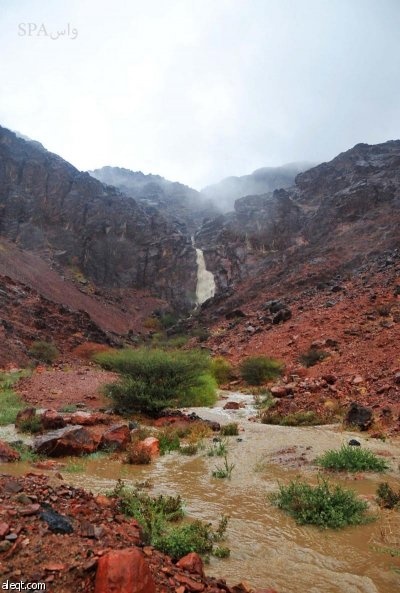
(49, 207)
(335, 216)
(178, 203)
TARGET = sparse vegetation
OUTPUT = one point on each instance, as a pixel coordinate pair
(32, 425)
(190, 449)
(324, 505)
(301, 418)
(230, 430)
(45, 352)
(10, 402)
(257, 369)
(152, 380)
(221, 370)
(224, 471)
(387, 497)
(88, 349)
(169, 440)
(219, 449)
(352, 459)
(157, 516)
(26, 452)
(69, 408)
(74, 467)
(312, 357)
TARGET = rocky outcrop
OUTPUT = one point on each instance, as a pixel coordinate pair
(125, 571)
(71, 440)
(49, 206)
(330, 220)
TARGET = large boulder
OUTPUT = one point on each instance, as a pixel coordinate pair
(116, 438)
(359, 416)
(192, 563)
(124, 571)
(7, 453)
(71, 440)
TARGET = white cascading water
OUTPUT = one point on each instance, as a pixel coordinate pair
(205, 288)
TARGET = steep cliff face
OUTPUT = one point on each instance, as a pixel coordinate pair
(335, 215)
(48, 206)
(183, 206)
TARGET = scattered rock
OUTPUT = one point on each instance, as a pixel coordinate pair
(24, 416)
(7, 453)
(152, 445)
(279, 391)
(192, 563)
(57, 523)
(123, 571)
(71, 440)
(354, 443)
(232, 406)
(52, 420)
(116, 438)
(359, 415)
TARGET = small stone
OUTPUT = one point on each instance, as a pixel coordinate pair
(5, 545)
(354, 443)
(4, 529)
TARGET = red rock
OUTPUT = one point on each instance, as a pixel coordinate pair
(51, 420)
(189, 583)
(123, 571)
(192, 563)
(279, 391)
(88, 418)
(56, 566)
(152, 445)
(117, 437)
(358, 380)
(25, 415)
(4, 529)
(48, 464)
(32, 509)
(103, 501)
(7, 453)
(71, 440)
(232, 406)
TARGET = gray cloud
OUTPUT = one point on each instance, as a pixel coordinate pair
(197, 90)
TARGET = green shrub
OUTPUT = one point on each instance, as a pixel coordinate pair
(26, 452)
(221, 552)
(152, 380)
(224, 471)
(387, 497)
(10, 402)
(312, 357)
(219, 449)
(221, 370)
(169, 440)
(32, 425)
(324, 505)
(43, 352)
(352, 459)
(257, 369)
(230, 430)
(156, 517)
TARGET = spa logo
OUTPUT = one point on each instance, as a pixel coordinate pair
(42, 31)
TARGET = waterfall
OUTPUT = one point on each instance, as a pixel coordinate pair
(205, 288)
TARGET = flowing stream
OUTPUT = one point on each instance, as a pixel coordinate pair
(267, 547)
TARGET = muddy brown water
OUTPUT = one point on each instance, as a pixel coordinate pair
(267, 547)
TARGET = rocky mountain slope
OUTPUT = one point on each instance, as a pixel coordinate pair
(261, 181)
(178, 203)
(337, 214)
(74, 221)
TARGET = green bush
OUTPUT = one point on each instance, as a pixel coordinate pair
(190, 449)
(43, 352)
(387, 497)
(324, 505)
(169, 440)
(221, 370)
(312, 357)
(32, 425)
(10, 402)
(156, 517)
(352, 459)
(152, 380)
(257, 369)
(224, 471)
(230, 430)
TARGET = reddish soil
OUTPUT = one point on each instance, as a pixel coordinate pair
(67, 384)
(68, 562)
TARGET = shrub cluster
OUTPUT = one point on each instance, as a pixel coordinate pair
(257, 369)
(153, 379)
(43, 352)
(352, 459)
(324, 505)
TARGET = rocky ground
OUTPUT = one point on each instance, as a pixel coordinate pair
(73, 541)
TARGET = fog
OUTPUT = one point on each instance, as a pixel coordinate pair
(198, 90)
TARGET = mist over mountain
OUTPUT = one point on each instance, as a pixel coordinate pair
(261, 181)
(176, 201)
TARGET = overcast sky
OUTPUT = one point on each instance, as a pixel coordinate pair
(196, 90)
